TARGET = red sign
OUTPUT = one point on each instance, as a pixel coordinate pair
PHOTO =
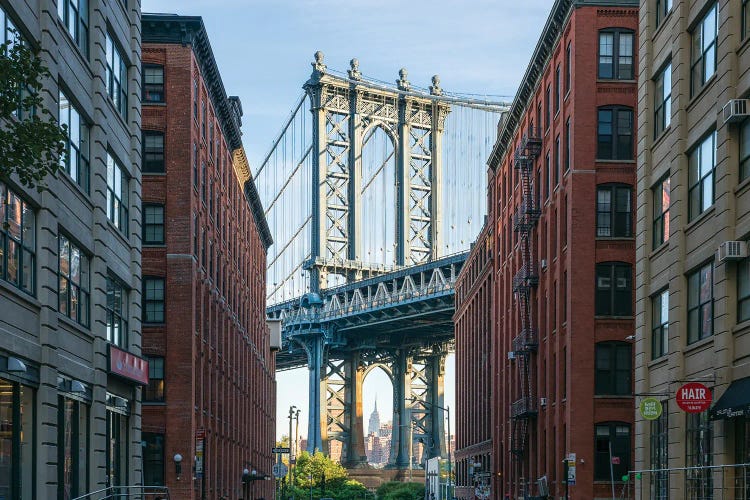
(127, 365)
(694, 397)
(615, 460)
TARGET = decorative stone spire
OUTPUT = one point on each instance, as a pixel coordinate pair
(354, 73)
(319, 68)
(402, 82)
(435, 87)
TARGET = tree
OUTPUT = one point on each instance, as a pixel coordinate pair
(326, 478)
(401, 491)
(31, 141)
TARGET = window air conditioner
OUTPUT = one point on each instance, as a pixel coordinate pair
(543, 264)
(731, 250)
(542, 402)
(735, 110)
(511, 355)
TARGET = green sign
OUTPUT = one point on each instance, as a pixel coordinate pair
(651, 408)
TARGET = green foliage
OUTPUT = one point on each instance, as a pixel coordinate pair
(401, 491)
(31, 141)
(324, 472)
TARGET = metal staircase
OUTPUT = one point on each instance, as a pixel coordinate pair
(524, 409)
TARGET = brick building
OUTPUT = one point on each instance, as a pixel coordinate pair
(211, 394)
(562, 192)
(70, 333)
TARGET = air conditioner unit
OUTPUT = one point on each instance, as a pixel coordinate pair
(543, 264)
(542, 402)
(511, 355)
(274, 330)
(731, 250)
(735, 110)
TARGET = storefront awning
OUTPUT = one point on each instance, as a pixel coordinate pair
(735, 402)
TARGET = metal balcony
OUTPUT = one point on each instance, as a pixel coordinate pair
(532, 141)
(525, 218)
(524, 408)
(525, 279)
(526, 342)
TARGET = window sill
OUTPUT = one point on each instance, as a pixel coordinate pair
(123, 121)
(153, 325)
(20, 293)
(660, 26)
(614, 318)
(742, 186)
(658, 362)
(741, 327)
(74, 45)
(154, 174)
(154, 245)
(625, 162)
(61, 318)
(161, 104)
(75, 187)
(659, 250)
(615, 238)
(698, 345)
(697, 97)
(699, 219)
(660, 138)
(744, 45)
(616, 80)
(118, 232)
(154, 403)
(567, 94)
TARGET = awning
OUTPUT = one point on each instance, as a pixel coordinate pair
(735, 402)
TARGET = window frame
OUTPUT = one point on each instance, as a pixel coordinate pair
(745, 28)
(743, 297)
(567, 144)
(659, 454)
(698, 180)
(603, 468)
(698, 453)
(83, 307)
(149, 461)
(615, 134)
(568, 67)
(699, 61)
(612, 214)
(616, 56)
(661, 224)
(24, 253)
(154, 158)
(700, 305)
(611, 292)
(156, 372)
(663, 9)
(150, 89)
(154, 302)
(660, 324)
(78, 473)
(116, 75)
(116, 317)
(81, 151)
(614, 380)
(153, 226)
(663, 102)
(76, 21)
(744, 149)
(117, 203)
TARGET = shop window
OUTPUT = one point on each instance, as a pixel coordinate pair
(614, 285)
(153, 83)
(153, 459)
(701, 173)
(699, 454)
(742, 456)
(612, 459)
(743, 290)
(704, 40)
(660, 454)
(17, 241)
(116, 457)
(72, 448)
(73, 282)
(614, 366)
(616, 54)
(75, 160)
(17, 452)
(700, 304)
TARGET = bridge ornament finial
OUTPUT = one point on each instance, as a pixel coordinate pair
(435, 88)
(319, 67)
(402, 82)
(354, 73)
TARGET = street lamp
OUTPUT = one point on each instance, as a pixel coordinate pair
(448, 411)
(250, 476)
(177, 465)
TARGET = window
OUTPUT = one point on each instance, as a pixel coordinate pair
(17, 241)
(661, 211)
(153, 224)
(612, 440)
(73, 282)
(700, 304)
(660, 324)
(75, 160)
(615, 134)
(743, 290)
(153, 300)
(660, 454)
(568, 67)
(153, 152)
(204, 182)
(116, 77)
(548, 172)
(117, 194)
(745, 18)
(557, 160)
(614, 289)
(153, 83)
(698, 453)
(116, 458)
(75, 16)
(547, 109)
(703, 58)
(557, 88)
(663, 100)
(72, 448)
(614, 363)
(663, 7)
(616, 54)
(567, 144)
(745, 150)
(195, 165)
(195, 235)
(117, 313)
(203, 121)
(195, 100)
(742, 456)
(613, 213)
(153, 459)
(701, 169)
(17, 440)
(154, 392)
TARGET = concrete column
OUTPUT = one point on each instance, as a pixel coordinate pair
(316, 405)
(435, 403)
(401, 432)
(355, 450)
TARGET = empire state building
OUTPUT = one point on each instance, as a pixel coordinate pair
(374, 426)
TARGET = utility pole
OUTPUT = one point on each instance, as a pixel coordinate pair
(291, 447)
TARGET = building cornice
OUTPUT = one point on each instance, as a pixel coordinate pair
(247, 184)
(558, 17)
(190, 30)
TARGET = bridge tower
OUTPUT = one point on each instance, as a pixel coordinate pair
(347, 113)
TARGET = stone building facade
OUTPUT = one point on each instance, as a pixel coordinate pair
(70, 289)
(211, 396)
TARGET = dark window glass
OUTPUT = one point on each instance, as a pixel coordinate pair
(745, 150)
(743, 290)
(660, 324)
(117, 194)
(153, 459)
(117, 313)
(195, 165)
(116, 457)
(616, 54)
(663, 7)
(703, 58)
(17, 439)
(568, 66)
(660, 454)
(75, 160)
(557, 160)
(195, 100)
(700, 304)
(116, 77)
(567, 144)
(548, 173)
(153, 224)
(547, 108)
(72, 448)
(615, 134)
(745, 19)
(613, 211)
(153, 300)
(614, 287)
(204, 182)
(661, 211)
(612, 440)
(614, 363)
(153, 152)
(153, 83)
(701, 171)
(73, 282)
(699, 454)
(17, 241)
(663, 100)
(558, 90)
(74, 14)
(154, 392)
(742, 456)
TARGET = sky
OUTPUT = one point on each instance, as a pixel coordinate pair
(264, 49)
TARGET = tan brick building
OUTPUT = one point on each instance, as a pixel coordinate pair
(693, 321)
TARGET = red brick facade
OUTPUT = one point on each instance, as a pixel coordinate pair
(218, 367)
(567, 247)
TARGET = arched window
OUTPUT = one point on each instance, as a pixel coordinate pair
(614, 133)
(614, 289)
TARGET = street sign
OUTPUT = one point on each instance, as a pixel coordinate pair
(615, 460)
(694, 397)
(281, 449)
(651, 408)
(280, 470)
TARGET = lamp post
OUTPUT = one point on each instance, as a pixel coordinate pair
(177, 465)
(448, 444)
(291, 446)
(250, 476)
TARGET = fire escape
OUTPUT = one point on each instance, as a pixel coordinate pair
(524, 409)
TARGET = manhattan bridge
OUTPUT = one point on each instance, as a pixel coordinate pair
(374, 193)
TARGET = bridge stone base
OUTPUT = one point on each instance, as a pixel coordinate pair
(372, 478)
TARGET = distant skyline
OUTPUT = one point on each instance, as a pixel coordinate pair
(264, 49)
